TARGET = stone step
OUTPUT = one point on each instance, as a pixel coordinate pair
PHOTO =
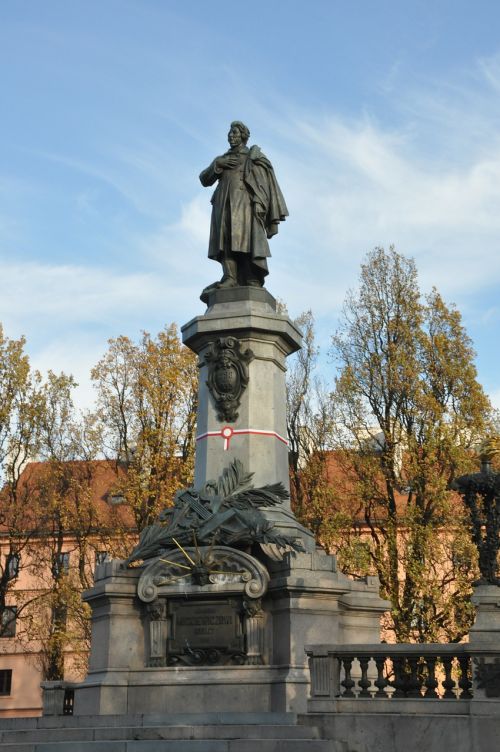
(154, 719)
(202, 732)
(164, 732)
(174, 745)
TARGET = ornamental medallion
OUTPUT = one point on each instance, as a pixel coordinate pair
(227, 376)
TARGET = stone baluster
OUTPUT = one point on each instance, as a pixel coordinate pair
(364, 683)
(448, 682)
(464, 682)
(431, 683)
(414, 682)
(348, 683)
(399, 681)
(381, 681)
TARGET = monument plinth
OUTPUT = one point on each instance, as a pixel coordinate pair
(231, 586)
(244, 320)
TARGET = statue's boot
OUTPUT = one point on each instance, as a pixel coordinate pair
(230, 276)
(250, 273)
(206, 292)
(229, 279)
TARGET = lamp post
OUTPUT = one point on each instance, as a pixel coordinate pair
(481, 495)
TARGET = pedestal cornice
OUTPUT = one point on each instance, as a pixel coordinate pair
(245, 312)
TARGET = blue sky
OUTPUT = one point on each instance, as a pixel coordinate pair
(382, 120)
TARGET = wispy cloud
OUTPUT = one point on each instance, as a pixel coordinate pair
(180, 247)
(429, 182)
(490, 69)
(125, 176)
(357, 184)
(77, 293)
(69, 312)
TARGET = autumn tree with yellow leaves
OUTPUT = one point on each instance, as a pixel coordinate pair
(408, 411)
(71, 528)
(21, 411)
(47, 511)
(373, 455)
(146, 402)
(53, 524)
(310, 431)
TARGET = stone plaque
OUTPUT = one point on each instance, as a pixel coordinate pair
(204, 632)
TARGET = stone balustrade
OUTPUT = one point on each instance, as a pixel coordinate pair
(430, 671)
(58, 697)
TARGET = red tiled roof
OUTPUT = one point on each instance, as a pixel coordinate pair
(102, 475)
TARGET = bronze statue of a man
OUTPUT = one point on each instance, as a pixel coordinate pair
(247, 206)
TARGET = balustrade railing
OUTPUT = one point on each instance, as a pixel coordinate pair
(430, 671)
(58, 697)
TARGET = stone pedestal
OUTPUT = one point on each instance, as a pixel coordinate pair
(258, 435)
(486, 628)
(242, 344)
(307, 601)
(484, 638)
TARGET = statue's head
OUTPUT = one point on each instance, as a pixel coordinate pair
(238, 133)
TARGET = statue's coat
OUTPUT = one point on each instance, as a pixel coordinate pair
(247, 206)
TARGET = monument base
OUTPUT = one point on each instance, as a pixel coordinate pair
(486, 627)
(484, 637)
(215, 621)
(307, 600)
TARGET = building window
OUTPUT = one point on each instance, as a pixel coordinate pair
(115, 499)
(60, 617)
(5, 681)
(61, 564)
(8, 621)
(12, 565)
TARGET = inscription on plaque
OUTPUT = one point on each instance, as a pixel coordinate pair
(206, 629)
(209, 631)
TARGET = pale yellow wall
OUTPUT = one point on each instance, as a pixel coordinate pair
(26, 696)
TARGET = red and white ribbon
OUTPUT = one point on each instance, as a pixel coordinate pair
(227, 434)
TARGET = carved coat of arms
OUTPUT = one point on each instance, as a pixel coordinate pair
(227, 376)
